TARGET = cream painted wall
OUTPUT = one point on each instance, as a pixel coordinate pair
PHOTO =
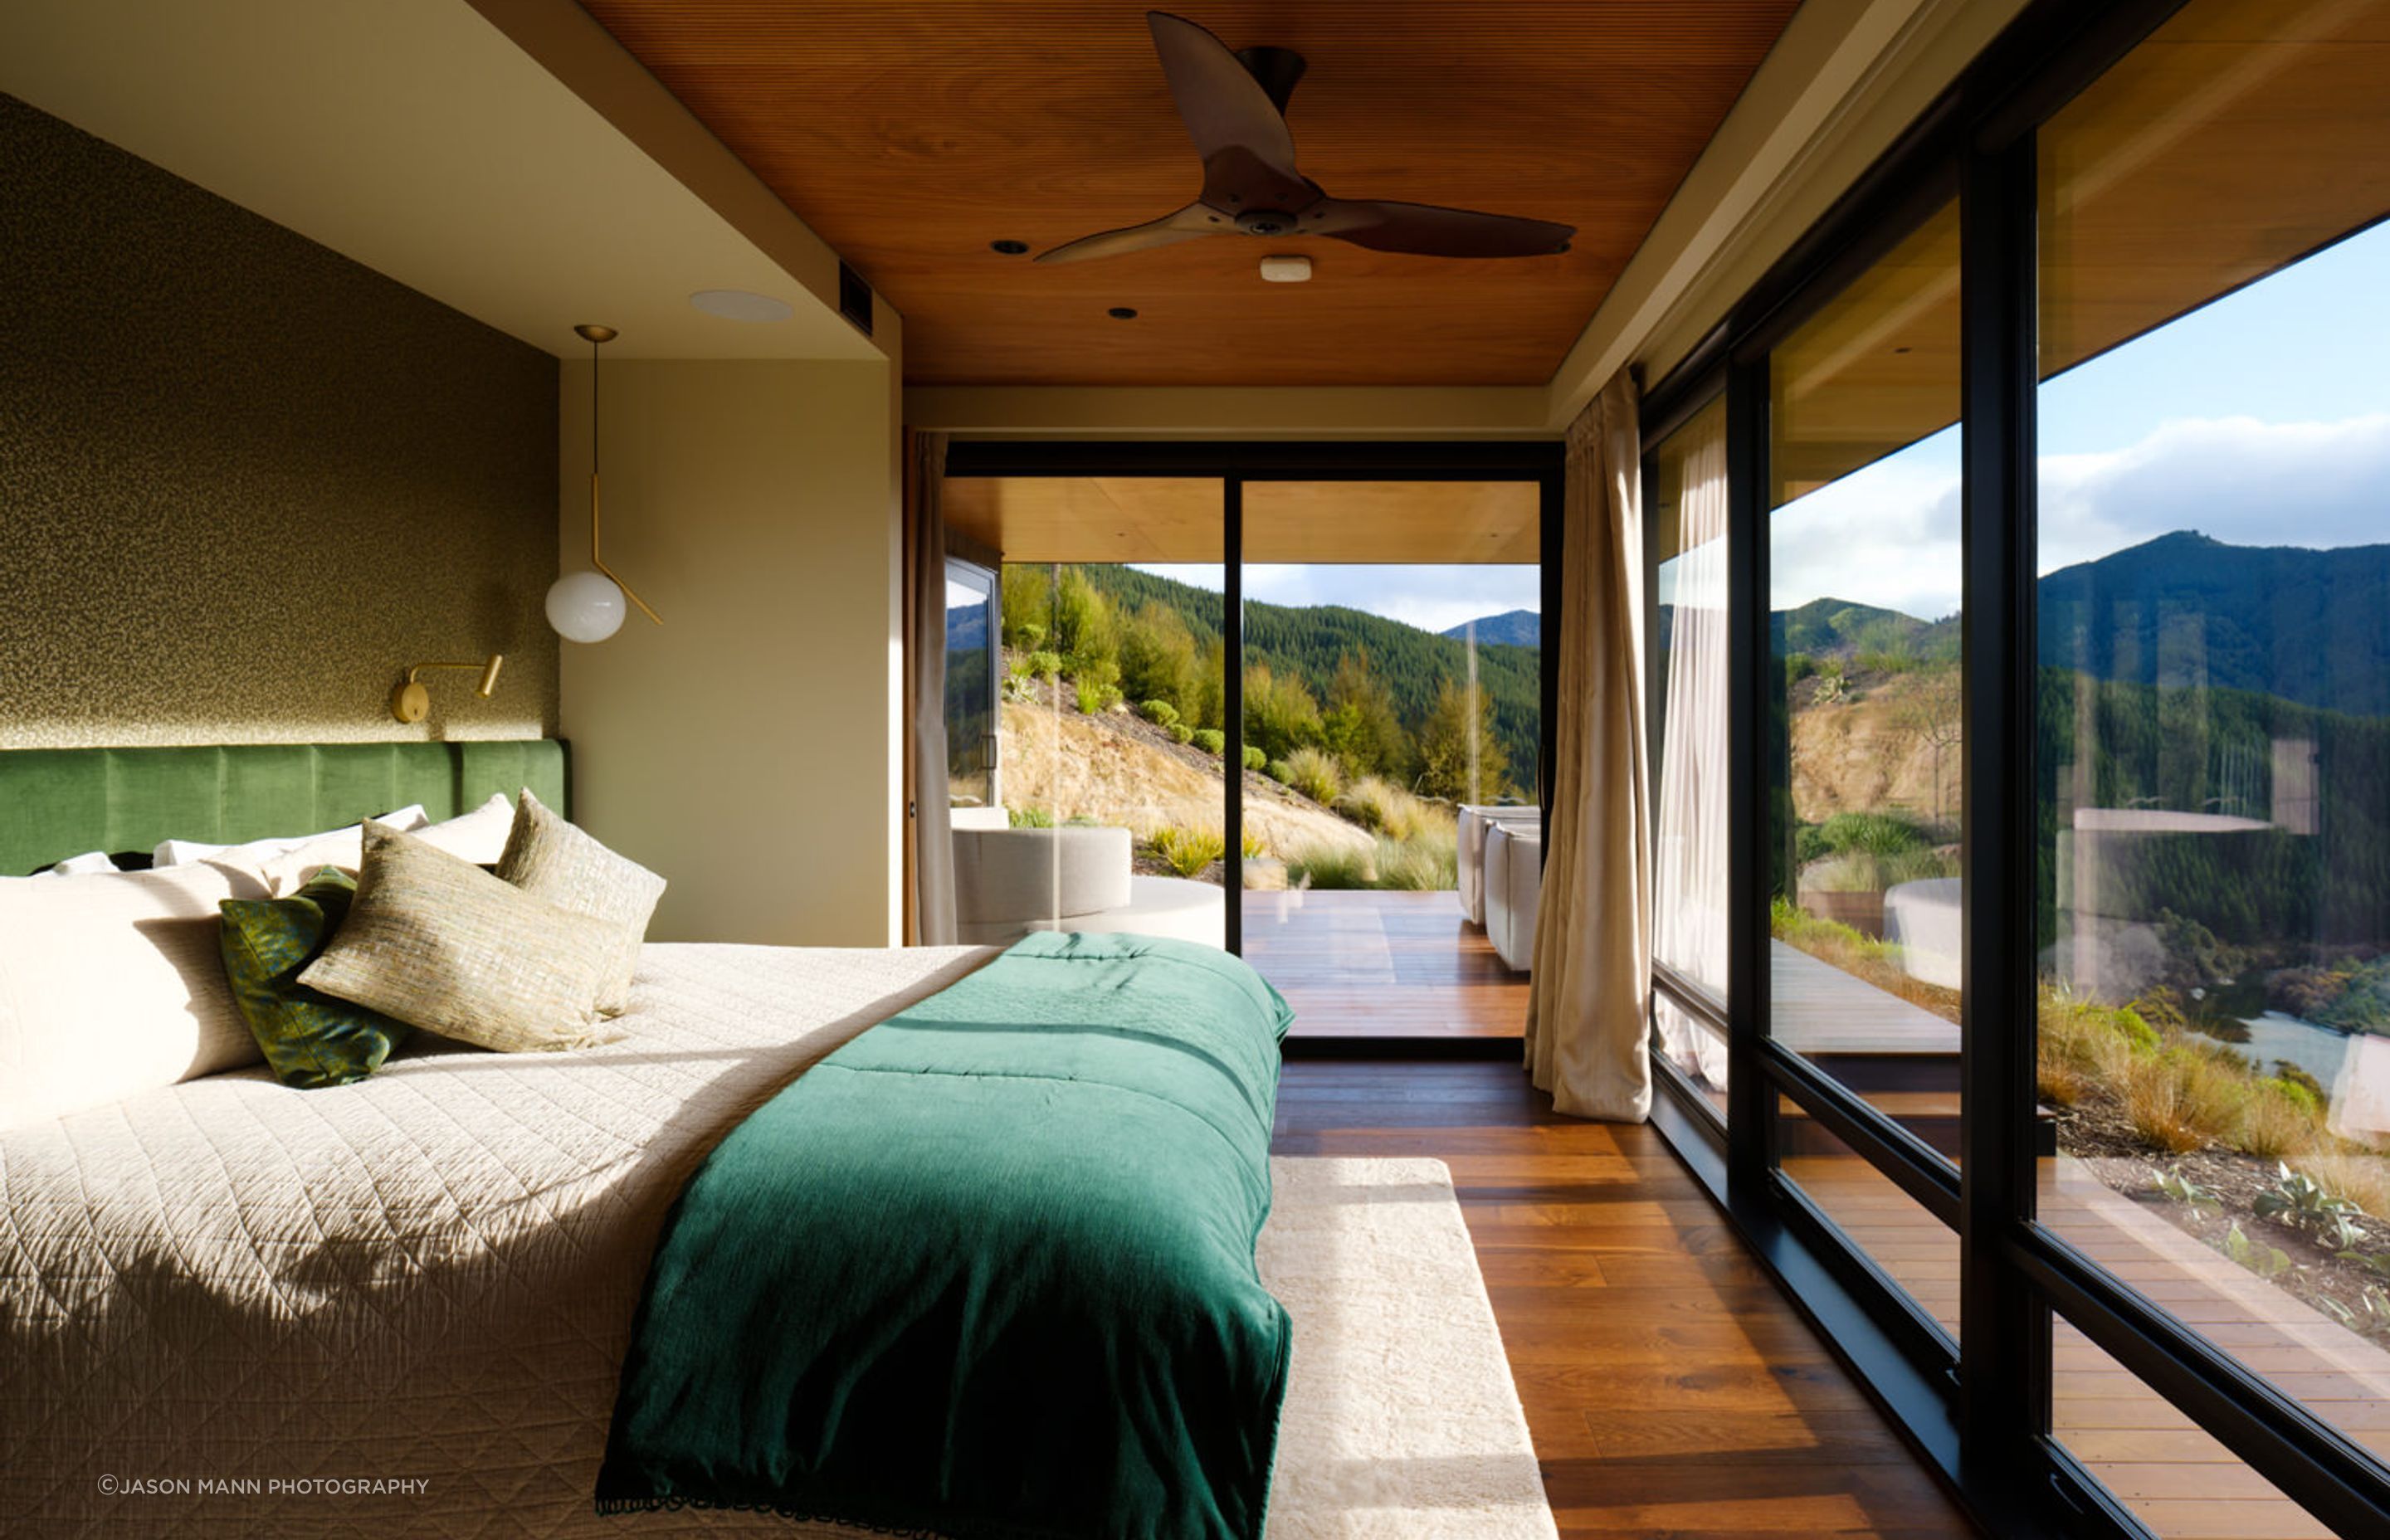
(745, 748)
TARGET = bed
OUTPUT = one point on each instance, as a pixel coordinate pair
(402, 1305)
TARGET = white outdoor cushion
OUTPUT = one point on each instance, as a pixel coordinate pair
(1009, 880)
(1514, 884)
(1470, 884)
(113, 985)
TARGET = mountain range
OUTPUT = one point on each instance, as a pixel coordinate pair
(2179, 610)
(1511, 628)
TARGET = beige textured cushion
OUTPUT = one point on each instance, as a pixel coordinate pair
(550, 858)
(434, 941)
(113, 984)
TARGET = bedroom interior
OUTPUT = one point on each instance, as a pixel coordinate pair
(1692, 839)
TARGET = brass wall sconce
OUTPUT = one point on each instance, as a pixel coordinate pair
(411, 703)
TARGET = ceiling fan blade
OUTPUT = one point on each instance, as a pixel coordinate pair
(1425, 230)
(1186, 224)
(1223, 105)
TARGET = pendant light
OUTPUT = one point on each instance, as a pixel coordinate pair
(589, 606)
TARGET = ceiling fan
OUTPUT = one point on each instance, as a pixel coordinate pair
(1234, 104)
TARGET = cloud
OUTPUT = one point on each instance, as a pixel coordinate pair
(2238, 480)
(1889, 535)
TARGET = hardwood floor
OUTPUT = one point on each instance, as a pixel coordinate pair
(1382, 965)
(1670, 1389)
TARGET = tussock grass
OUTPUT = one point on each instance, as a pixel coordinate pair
(1190, 850)
(1316, 774)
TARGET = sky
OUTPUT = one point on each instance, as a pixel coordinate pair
(2262, 420)
(1432, 598)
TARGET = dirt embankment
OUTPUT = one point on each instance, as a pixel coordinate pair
(1875, 747)
(1122, 769)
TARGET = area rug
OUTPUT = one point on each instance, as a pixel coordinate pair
(1401, 1419)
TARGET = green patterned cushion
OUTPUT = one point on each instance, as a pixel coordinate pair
(311, 1038)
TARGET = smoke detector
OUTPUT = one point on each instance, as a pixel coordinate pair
(1286, 270)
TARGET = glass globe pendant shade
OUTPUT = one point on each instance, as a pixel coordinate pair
(586, 606)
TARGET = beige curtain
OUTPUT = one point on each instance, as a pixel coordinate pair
(1587, 1009)
(928, 845)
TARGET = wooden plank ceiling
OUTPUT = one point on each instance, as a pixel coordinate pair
(1178, 518)
(911, 135)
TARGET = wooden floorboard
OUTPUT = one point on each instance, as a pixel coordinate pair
(1382, 965)
(1669, 1388)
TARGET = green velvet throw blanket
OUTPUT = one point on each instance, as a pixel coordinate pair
(987, 1271)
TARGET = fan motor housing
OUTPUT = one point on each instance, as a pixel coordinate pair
(1266, 222)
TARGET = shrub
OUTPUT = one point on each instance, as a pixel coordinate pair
(2275, 1121)
(2158, 1107)
(1423, 863)
(1190, 850)
(1095, 696)
(1797, 667)
(1328, 866)
(1030, 817)
(1211, 740)
(1038, 665)
(1279, 771)
(1253, 848)
(1255, 758)
(1875, 833)
(1316, 774)
(1809, 844)
(2295, 1076)
(1181, 733)
(1159, 662)
(1161, 714)
(1380, 804)
(2362, 1177)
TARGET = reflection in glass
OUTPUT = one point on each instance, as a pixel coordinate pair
(2214, 722)
(1688, 736)
(971, 658)
(1865, 576)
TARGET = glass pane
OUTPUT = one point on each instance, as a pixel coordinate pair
(1393, 708)
(1114, 807)
(1865, 576)
(971, 658)
(1689, 733)
(1915, 1250)
(2214, 762)
(2176, 1478)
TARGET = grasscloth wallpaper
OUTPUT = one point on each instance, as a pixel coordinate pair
(245, 482)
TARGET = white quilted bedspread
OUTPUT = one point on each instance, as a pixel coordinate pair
(425, 1279)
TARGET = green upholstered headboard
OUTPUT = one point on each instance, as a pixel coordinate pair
(56, 803)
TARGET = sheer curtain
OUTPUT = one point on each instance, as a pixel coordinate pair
(1592, 982)
(1688, 853)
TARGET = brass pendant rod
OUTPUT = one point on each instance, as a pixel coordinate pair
(598, 335)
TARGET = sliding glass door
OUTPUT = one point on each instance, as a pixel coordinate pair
(2025, 1012)
(1394, 705)
(1290, 696)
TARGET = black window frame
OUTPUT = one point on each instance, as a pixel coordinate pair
(1978, 1413)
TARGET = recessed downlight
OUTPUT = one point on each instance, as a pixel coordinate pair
(738, 304)
(1008, 248)
(1121, 313)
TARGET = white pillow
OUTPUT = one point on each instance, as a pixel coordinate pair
(114, 986)
(256, 853)
(479, 835)
(89, 863)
